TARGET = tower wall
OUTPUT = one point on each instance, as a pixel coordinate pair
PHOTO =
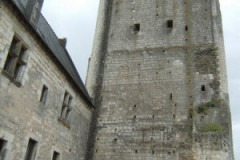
(163, 92)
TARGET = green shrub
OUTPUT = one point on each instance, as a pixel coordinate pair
(203, 108)
(191, 112)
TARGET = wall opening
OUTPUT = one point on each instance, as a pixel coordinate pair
(170, 24)
(136, 27)
(171, 96)
(203, 88)
(3, 150)
(186, 28)
(31, 150)
(56, 156)
(44, 94)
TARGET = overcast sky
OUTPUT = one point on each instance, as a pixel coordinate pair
(76, 19)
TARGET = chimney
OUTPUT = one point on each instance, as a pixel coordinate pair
(63, 42)
(33, 10)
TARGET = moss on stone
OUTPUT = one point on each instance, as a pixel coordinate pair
(203, 108)
(213, 127)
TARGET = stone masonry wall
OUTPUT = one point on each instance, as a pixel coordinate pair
(22, 115)
(164, 91)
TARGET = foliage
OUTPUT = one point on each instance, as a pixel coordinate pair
(191, 111)
(213, 127)
(203, 108)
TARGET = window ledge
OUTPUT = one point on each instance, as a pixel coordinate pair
(13, 80)
(64, 122)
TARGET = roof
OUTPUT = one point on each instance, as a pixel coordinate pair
(48, 36)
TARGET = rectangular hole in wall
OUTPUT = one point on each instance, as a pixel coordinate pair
(56, 156)
(44, 94)
(136, 27)
(203, 88)
(170, 24)
(31, 150)
(171, 96)
(3, 150)
(186, 28)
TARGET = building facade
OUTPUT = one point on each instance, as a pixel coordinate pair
(45, 109)
(157, 76)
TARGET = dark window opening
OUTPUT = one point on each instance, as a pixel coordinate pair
(136, 27)
(171, 96)
(56, 156)
(3, 149)
(203, 88)
(186, 28)
(66, 107)
(170, 24)
(15, 61)
(44, 94)
(31, 150)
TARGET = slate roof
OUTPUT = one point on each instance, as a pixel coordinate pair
(48, 36)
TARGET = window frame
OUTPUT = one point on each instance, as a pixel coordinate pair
(66, 109)
(15, 61)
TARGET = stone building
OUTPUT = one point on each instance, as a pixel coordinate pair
(157, 76)
(45, 108)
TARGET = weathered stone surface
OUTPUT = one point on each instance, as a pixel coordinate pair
(147, 85)
(22, 115)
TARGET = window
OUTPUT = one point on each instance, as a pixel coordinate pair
(3, 149)
(44, 94)
(56, 156)
(136, 27)
(15, 60)
(203, 88)
(170, 24)
(31, 150)
(66, 107)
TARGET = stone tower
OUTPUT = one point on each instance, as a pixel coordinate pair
(157, 76)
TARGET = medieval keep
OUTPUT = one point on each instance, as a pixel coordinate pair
(157, 77)
(156, 85)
